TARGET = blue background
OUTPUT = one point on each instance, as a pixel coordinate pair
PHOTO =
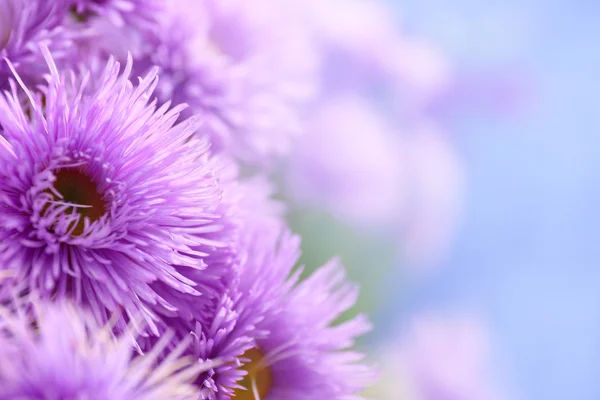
(527, 253)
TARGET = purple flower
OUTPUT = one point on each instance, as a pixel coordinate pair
(227, 329)
(281, 331)
(350, 162)
(60, 352)
(369, 172)
(441, 357)
(305, 355)
(104, 200)
(245, 67)
(363, 50)
(434, 195)
(24, 25)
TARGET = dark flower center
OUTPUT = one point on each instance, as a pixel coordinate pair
(79, 189)
(80, 16)
(259, 377)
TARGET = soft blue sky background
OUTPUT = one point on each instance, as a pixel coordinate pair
(528, 253)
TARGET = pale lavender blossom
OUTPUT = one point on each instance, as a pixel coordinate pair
(246, 67)
(364, 154)
(355, 163)
(433, 195)
(441, 357)
(350, 162)
(364, 49)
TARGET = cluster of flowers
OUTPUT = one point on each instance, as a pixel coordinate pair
(141, 252)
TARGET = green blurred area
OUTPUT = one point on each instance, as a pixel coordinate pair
(367, 258)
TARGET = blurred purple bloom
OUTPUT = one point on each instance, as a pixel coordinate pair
(359, 166)
(371, 154)
(433, 193)
(441, 358)
(24, 25)
(103, 199)
(60, 352)
(245, 67)
(363, 50)
(350, 161)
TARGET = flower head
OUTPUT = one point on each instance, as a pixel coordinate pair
(276, 338)
(305, 355)
(24, 25)
(227, 327)
(57, 351)
(350, 162)
(441, 357)
(246, 67)
(103, 199)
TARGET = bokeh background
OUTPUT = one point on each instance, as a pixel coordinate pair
(503, 303)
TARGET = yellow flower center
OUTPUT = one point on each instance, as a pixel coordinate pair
(259, 379)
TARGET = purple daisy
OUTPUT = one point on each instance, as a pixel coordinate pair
(24, 25)
(274, 334)
(246, 67)
(305, 356)
(227, 327)
(39, 344)
(104, 199)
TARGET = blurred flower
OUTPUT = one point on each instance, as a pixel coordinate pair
(371, 153)
(350, 161)
(103, 199)
(440, 357)
(362, 49)
(419, 73)
(61, 353)
(353, 163)
(433, 191)
(24, 25)
(245, 68)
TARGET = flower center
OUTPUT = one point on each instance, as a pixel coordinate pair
(79, 189)
(80, 17)
(259, 377)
